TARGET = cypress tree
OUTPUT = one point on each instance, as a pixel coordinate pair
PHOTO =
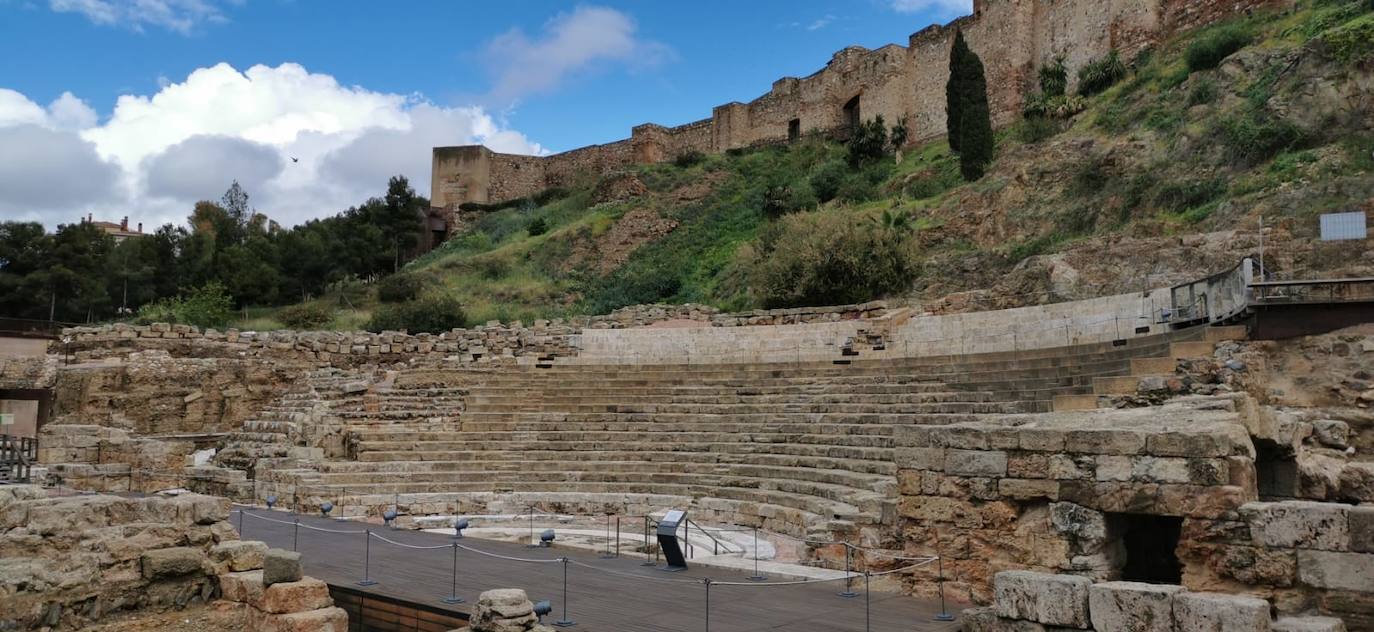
(975, 125)
(954, 88)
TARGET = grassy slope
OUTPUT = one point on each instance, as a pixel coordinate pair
(1163, 153)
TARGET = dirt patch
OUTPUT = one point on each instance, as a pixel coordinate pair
(618, 187)
(216, 617)
(613, 248)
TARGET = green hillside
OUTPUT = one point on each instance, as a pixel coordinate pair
(1263, 116)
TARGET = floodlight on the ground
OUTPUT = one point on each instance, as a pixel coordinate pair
(388, 517)
(458, 525)
(325, 508)
(271, 501)
(546, 538)
(542, 608)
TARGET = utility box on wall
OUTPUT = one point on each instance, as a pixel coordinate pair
(1344, 226)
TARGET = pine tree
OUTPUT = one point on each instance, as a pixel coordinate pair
(975, 126)
(954, 88)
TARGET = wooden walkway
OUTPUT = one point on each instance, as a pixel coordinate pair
(604, 595)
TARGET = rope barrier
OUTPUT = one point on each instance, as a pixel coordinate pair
(408, 546)
(506, 557)
(608, 571)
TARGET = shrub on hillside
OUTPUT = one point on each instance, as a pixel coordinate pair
(1100, 74)
(434, 313)
(1255, 137)
(1352, 42)
(400, 287)
(868, 143)
(828, 258)
(205, 306)
(688, 158)
(305, 316)
(537, 227)
(1210, 48)
(828, 179)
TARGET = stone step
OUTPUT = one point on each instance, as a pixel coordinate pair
(560, 397)
(480, 411)
(1065, 403)
(866, 460)
(1124, 385)
(1191, 350)
(482, 419)
(1153, 366)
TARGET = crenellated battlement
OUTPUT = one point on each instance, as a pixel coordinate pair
(1013, 37)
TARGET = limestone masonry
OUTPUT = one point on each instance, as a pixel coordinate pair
(1013, 37)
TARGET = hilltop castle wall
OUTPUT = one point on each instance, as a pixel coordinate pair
(1013, 37)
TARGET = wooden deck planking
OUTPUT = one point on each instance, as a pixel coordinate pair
(628, 598)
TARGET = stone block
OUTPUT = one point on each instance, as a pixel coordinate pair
(322, 620)
(1132, 606)
(1042, 597)
(279, 565)
(239, 555)
(1214, 612)
(1334, 570)
(1331, 433)
(1308, 624)
(1362, 529)
(245, 587)
(975, 463)
(919, 458)
(1299, 523)
(173, 562)
(986, 620)
(299, 596)
(1026, 489)
(1104, 441)
(1042, 439)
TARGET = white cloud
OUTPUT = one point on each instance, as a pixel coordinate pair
(181, 16)
(156, 155)
(820, 23)
(943, 8)
(571, 42)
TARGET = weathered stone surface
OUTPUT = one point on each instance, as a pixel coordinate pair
(986, 620)
(1042, 597)
(1308, 624)
(504, 610)
(280, 565)
(1331, 433)
(239, 555)
(299, 596)
(173, 562)
(976, 463)
(243, 587)
(1340, 571)
(1362, 529)
(1301, 524)
(1133, 606)
(1213, 612)
(919, 458)
(322, 620)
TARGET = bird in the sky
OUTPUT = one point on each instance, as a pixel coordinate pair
(295, 159)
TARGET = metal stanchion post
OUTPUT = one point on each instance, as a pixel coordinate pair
(942, 615)
(617, 536)
(342, 492)
(295, 533)
(453, 594)
(240, 522)
(707, 581)
(367, 560)
(757, 576)
(533, 542)
(607, 555)
(848, 576)
(565, 622)
(868, 619)
(647, 560)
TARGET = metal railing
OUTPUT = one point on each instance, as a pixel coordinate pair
(17, 456)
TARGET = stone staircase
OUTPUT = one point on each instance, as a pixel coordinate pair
(1161, 366)
(287, 433)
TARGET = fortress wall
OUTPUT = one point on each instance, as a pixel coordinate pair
(1013, 38)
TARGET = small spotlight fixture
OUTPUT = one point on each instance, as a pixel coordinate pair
(271, 501)
(542, 608)
(458, 525)
(546, 538)
(325, 508)
(389, 517)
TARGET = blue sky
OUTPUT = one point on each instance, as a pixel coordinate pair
(156, 100)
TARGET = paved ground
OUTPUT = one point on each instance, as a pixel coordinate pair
(615, 595)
